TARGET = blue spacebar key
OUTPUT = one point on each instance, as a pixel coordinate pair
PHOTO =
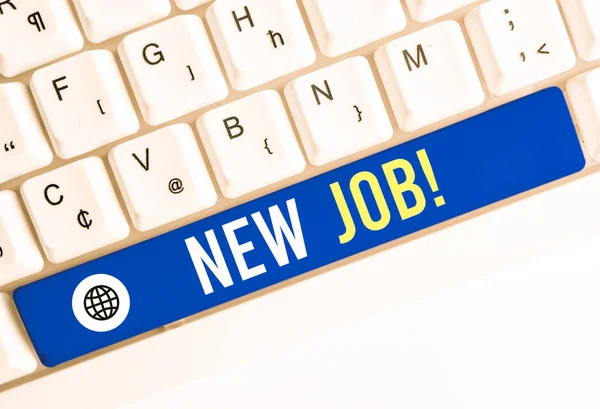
(485, 159)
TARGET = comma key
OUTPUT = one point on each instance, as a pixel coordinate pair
(519, 43)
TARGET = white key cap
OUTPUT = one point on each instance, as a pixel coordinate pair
(74, 210)
(34, 33)
(364, 288)
(190, 4)
(519, 43)
(16, 356)
(338, 110)
(259, 42)
(345, 25)
(162, 176)
(584, 94)
(84, 103)
(23, 146)
(172, 69)
(19, 255)
(250, 143)
(583, 18)
(106, 19)
(425, 10)
(429, 76)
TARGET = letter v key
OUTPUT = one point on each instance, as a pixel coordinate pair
(146, 165)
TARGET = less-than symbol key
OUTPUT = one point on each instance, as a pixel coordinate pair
(542, 51)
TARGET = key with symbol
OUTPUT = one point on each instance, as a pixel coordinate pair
(250, 143)
(519, 43)
(162, 176)
(84, 95)
(338, 110)
(74, 210)
(23, 145)
(34, 33)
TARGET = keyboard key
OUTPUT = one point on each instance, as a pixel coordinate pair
(162, 177)
(190, 4)
(16, 357)
(172, 69)
(250, 143)
(519, 43)
(394, 193)
(259, 43)
(583, 18)
(425, 10)
(106, 19)
(84, 103)
(584, 94)
(338, 111)
(23, 146)
(19, 255)
(74, 210)
(341, 26)
(35, 33)
(429, 76)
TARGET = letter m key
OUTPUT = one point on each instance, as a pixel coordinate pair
(410, 60)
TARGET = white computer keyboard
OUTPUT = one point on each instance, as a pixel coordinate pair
(122, 120)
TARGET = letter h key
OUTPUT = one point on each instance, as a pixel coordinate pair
(259, 41)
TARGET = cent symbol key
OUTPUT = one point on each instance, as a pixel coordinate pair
(162, 176)
(74, 210)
